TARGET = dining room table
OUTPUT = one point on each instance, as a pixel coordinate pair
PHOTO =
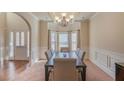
(71, 54)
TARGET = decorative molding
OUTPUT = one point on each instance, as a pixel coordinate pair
(106, 59)
(93, 16)
(30, 13)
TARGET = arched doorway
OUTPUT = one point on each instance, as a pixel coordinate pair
(19, 37)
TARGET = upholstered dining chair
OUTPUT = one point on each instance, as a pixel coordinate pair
(81, 56)
(65, 69)
(52, 51)
(65, 49)
(48, 54)
(77, 51)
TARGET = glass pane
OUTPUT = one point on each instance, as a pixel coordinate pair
(63, 40)
(22, 39)
(11, 51)
(17, 39)
(53, 40)
(74, 40)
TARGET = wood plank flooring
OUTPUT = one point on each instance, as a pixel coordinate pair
(19, 71)
(9, 69)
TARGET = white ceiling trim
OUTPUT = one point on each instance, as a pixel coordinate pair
(94, 15)
(35, 17)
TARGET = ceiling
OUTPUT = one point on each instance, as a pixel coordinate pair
(49, 16)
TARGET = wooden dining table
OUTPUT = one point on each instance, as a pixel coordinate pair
(71, 54)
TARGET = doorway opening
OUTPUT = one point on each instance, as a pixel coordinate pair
(17, 38)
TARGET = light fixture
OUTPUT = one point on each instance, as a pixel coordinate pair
(64, 19)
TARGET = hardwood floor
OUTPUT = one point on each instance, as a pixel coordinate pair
(94, 73)
(9, 69)
(34, 73)
(19, 71)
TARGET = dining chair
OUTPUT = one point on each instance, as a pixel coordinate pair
(65, 69)
(65, 49)
(48, 54)
(52, 51)
(81, 56)
(77, 51)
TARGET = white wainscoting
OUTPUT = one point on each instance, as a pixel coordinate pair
(106, 60)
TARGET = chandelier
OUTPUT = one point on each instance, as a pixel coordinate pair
(64, 20)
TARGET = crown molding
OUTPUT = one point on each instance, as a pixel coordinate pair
(30, 13)
(94, 15)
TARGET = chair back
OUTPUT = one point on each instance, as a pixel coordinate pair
(52, 51)
(80, 53)
(77, 51)
(82, 58)
(48, 54)
(65, 49)
(65, 69)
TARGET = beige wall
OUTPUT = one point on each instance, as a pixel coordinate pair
(15, 22)
(2, 34)
(43, 34)
(107, 31)
(43, 38)
(84, 36)
(106, 41)
(2, 20)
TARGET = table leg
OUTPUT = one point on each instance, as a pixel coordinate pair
(46, 73)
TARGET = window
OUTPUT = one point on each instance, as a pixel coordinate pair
(11, 44)
(63, 39)
(20, 39)
(53, 40)
(74, 40)
(17, 39)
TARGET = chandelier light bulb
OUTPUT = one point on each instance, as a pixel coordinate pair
(64, 19)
